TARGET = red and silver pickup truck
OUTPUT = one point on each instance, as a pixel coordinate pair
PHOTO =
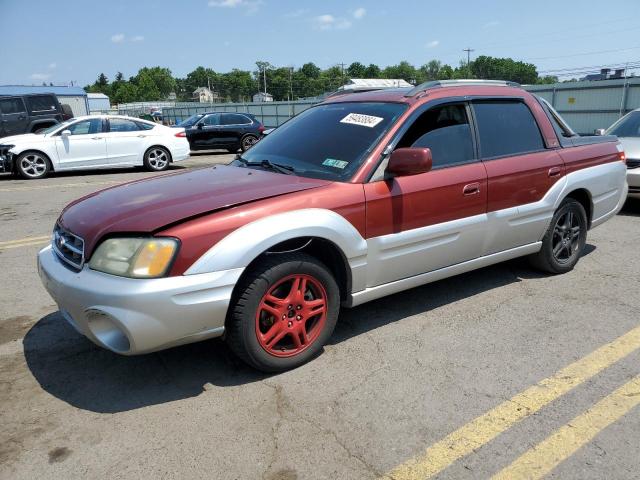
(359, 197)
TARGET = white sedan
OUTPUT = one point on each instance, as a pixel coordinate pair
(94, 141)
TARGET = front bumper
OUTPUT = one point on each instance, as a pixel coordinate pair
(132, 316)
(633, 179)
(6, 160)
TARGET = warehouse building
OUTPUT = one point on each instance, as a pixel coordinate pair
(98, 103)
(75, 97)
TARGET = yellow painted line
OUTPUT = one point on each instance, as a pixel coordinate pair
(59, 185)
(488, 426)
(564, 442)
(24, 242)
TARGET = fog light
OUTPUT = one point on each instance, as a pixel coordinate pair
(104, 327)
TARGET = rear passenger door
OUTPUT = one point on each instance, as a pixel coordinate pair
(126, 141)
(520, 169)
(420, 223)
(13, 116)
(233, 126)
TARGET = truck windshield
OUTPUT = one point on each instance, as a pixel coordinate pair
(628, 126)
(328, 141)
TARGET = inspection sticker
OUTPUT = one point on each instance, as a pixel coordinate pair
(332, 162)
(362, 120)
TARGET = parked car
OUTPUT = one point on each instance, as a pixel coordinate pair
(627, 129)
(95, 141)
(231, 131)
(29, 113)
(356, 198)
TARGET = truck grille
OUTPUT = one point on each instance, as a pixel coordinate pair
(632, 163)
(69, 247)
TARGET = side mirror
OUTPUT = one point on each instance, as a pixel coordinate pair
(200, 126)
(600, 131)
(65, 133)
(409, 161)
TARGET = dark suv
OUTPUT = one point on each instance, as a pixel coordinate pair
(29, 113)
(230, 131)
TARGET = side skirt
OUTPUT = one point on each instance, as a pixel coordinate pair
(390, 288)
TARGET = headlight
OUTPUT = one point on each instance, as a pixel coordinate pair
(134, 257)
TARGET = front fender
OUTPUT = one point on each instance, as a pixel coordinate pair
(242, 246)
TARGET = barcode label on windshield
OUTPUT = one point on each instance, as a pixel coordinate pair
(362, 120)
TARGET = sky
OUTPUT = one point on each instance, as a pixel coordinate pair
(73, 41)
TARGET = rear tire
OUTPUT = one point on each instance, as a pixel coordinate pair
(284, 311)
(248, 141)
(564, 240)
(32, 165)
(156, 159)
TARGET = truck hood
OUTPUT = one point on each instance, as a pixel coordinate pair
(631, 147)
(148, 205)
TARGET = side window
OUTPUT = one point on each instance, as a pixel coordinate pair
(86, 127)
(144, 126)
(12, 105)
(506, 128)
(446, 131)
(41, 103)
(123, 125)
(212, 120)
(234, 119)
(561, 127)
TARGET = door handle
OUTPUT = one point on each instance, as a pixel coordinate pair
(554, 171)
(96, 138)
(142, 136)
(471, 189)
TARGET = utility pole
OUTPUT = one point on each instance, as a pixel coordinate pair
(468, 50)
(342, 72)
(291, 83)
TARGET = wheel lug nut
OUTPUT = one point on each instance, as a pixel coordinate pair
(289, 307)
(299, 307)
(299, 317)
(290, 323)
(284, 316)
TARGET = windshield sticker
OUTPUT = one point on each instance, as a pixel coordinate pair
(362, 120)
(332, 162)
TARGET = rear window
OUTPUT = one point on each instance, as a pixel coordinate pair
(328, 141)
(506, 128)
(628, 126)
(123, 125)
(11, 105)
(42, 103)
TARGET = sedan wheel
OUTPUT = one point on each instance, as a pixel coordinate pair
(32, 165)
(156, 159)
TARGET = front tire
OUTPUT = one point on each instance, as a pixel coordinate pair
(564, 240)
(156, 159)
(284, 312)
(32, 165)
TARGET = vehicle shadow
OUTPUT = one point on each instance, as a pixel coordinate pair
(85, 173)
(71, 368)
(631, 208)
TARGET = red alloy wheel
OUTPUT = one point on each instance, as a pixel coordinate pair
(291, 315)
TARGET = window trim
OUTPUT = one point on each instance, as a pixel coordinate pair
(377, 174)
(506, 100)
(24, 106)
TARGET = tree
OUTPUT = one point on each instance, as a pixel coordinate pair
(102, 81)
(124, 92)
(403, 70)
(357, 70)
(429, 71)
(200, 77)
(155, 83)
(310, 70)
(504, 69)
(372, 71)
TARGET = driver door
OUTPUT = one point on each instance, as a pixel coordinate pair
(84, 147)
(207, 132)
(420, 223)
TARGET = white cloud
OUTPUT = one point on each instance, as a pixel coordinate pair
(433, 43)
(117, 38)
(138, 38)
(329, 22)
(40, 76)
(52, 65)
(251, 6)
(359, 13)
(493, 23)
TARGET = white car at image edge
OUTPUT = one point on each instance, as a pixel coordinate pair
(92, 142)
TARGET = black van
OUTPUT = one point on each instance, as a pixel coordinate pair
(29, 113)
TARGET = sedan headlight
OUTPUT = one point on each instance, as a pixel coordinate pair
(135, 257)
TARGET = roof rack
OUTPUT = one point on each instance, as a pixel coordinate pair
(458, 83)
(347, 91)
